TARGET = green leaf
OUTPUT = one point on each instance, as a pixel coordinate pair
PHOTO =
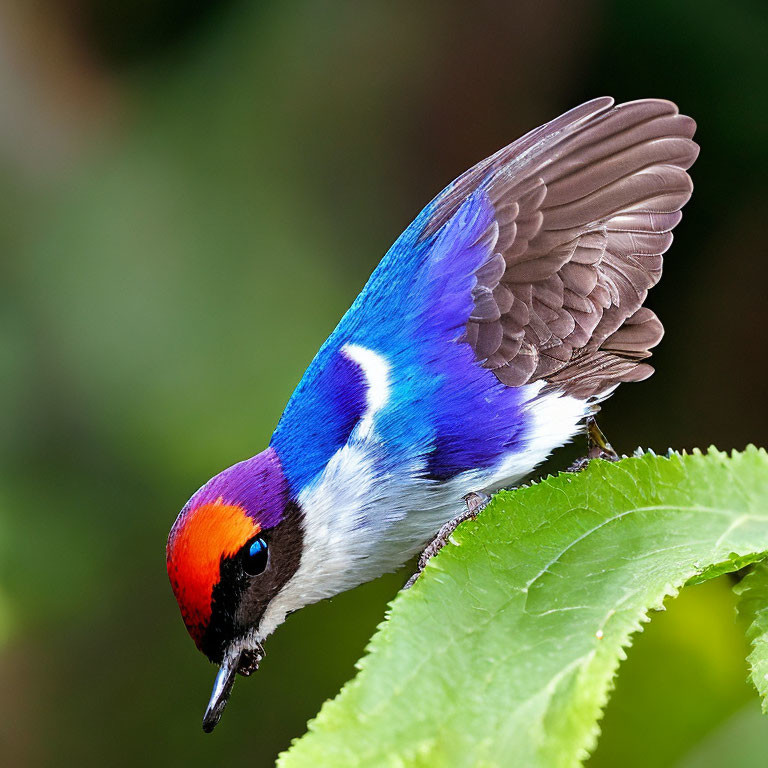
(753, 603)
(505, 649)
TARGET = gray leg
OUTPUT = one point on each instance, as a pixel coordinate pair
(474, 504)
(598, 447)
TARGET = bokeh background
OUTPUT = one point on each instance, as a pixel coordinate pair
(191, 194)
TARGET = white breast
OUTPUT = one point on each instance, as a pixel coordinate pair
(361, 522)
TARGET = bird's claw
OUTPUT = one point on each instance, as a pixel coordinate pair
(474, 503)
(598, 447)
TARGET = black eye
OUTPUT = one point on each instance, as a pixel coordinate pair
(255, 556)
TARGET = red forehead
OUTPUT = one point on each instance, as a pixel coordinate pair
(199, 541)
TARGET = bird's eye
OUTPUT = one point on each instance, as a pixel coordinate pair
(255, 556)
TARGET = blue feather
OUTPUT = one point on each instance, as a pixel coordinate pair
(445, 408)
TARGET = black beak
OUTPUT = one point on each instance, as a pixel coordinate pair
(222, 687)
(245, 662)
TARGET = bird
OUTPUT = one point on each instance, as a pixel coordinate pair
(487, 336)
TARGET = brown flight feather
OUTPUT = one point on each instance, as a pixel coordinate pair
(584, 208)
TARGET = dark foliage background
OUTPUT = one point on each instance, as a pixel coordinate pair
(192, 194)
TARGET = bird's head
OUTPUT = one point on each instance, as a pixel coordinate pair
(233, 547)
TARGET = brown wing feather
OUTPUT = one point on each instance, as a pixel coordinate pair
(584, 210)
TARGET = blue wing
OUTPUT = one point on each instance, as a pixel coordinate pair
(413, 312)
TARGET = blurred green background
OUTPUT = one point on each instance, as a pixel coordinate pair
(192, 194)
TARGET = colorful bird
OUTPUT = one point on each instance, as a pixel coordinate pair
(484, 339)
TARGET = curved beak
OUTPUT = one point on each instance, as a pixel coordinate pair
(236, 659)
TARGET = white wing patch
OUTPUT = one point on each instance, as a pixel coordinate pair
(376, 370)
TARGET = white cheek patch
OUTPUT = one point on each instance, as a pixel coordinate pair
(376, 370)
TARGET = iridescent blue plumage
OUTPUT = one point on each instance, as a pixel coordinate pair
(413, 312)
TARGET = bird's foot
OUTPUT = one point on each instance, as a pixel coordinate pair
(474, 504)
(598, 447)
